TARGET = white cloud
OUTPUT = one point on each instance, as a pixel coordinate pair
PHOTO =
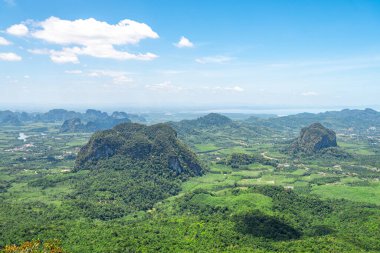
(184, 42)
(310, 93)
(64, 56)
(10, 57)
(166, 86)
(4, 42)
(213, 59)
(92, 32)
(92, 38)
(18, 30)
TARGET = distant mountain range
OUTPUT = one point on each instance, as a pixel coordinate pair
(76, 125)
(351, 120)
(91, 120)
(209, 120)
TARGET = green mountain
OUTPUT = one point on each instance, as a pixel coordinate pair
(132, 167)
(157, 144)
(352, 120)
(207, 121)
(219, 130)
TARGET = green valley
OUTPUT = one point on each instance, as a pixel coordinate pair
(138, 188)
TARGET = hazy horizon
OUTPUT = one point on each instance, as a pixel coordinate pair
(274, 109)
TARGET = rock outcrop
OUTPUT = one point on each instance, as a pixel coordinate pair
(313, 139)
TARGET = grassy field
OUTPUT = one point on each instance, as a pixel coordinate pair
(367, 194)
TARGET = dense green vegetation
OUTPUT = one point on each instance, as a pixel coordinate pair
(132, 166)
(253, 197)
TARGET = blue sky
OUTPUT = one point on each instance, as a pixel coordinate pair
(189, 53)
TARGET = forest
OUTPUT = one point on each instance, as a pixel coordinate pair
(209, 184)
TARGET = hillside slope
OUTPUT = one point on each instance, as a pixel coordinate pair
(132, 167)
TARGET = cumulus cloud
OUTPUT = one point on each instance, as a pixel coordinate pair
(90, 37)
(4, 42)
(310, 93)
(10, 57)
(213, 59)
(67, 55)
(18, 30)
(184, 42)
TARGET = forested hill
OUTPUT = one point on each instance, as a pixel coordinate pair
(209, 120)
(131, 167)
(354, 120)
(218, 129)
(156, 144)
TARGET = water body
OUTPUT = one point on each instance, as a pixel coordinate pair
(22, 136)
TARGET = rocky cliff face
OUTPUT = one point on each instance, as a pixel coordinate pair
(314, 138)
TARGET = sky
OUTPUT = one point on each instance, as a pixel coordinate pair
(200, 53)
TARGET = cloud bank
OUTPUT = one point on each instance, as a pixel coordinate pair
(88, 37)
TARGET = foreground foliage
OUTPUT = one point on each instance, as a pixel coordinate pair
(35, 246)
